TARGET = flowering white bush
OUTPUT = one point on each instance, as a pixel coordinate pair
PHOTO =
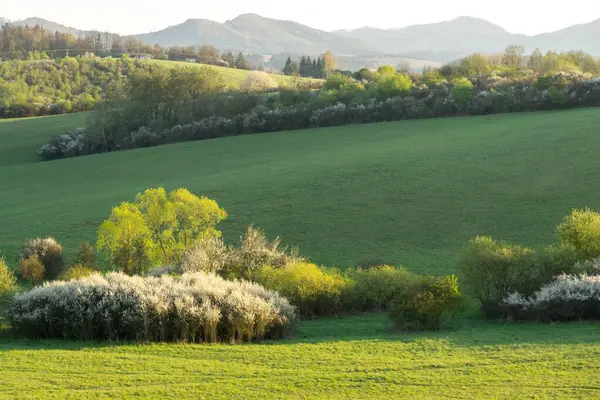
(253, 252)
(194, 307)
(70, 144)
(569, 297)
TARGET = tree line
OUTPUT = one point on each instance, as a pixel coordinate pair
(317, 67)
(515, 58)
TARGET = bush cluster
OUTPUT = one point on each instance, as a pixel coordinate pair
(192, 308)
(427, 303)
(414, 302)
(493, 271)
(49, 253)
(568, 298)
(315, 291)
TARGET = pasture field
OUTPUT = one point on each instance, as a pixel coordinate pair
(231, 75)
(410, 192)
(352, 357)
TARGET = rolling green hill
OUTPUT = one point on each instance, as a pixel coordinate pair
(410, 192)
(231, 75)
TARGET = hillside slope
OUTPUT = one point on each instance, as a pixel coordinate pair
(253, 33)
(449, 40)
(410, 192)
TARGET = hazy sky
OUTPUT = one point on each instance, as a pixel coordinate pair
(137, 16)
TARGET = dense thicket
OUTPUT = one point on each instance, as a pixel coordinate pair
(34, 43)
(44, 87)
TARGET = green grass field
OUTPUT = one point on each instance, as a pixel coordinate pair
(355, 357)
(231, 75)
(409, 192)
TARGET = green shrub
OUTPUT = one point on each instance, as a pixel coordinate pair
(393, 86)
(374, 288)
(491, 270)
(556, 260)
(313, 290)
(49, 252)
(8, 281)
(463, 91)
(340, 82)
(76, 271)
(427, 304)
(31, 269)
(581, 229)
(85, 255)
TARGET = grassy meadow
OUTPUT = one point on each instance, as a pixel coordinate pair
(409, 193)
(231, 75)
(353, 357)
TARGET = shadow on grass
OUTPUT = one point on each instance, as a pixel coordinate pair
(466, 332)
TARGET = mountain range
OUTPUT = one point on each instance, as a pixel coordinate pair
(441, 42)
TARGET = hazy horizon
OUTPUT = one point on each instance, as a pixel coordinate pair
(136, 17)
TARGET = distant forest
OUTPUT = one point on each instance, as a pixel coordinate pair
(36, 43)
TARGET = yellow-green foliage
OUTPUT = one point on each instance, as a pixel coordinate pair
(315, 291)
(125, 239)
(372, 289)
(427, 303)
(394, 85)
(8, 281)
(32, 270)
(157, 228)
(385, 71)
(342, 82)
(76, 271)
(581, 229)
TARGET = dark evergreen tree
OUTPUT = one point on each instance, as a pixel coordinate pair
(288, 69)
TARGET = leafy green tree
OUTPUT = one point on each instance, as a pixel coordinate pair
(394, 85)
(125, 239)
(8, 281)
(581, 229)
(158, 228)
(386, 71)
(535, 60)
(475, 65)
(514, 56)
